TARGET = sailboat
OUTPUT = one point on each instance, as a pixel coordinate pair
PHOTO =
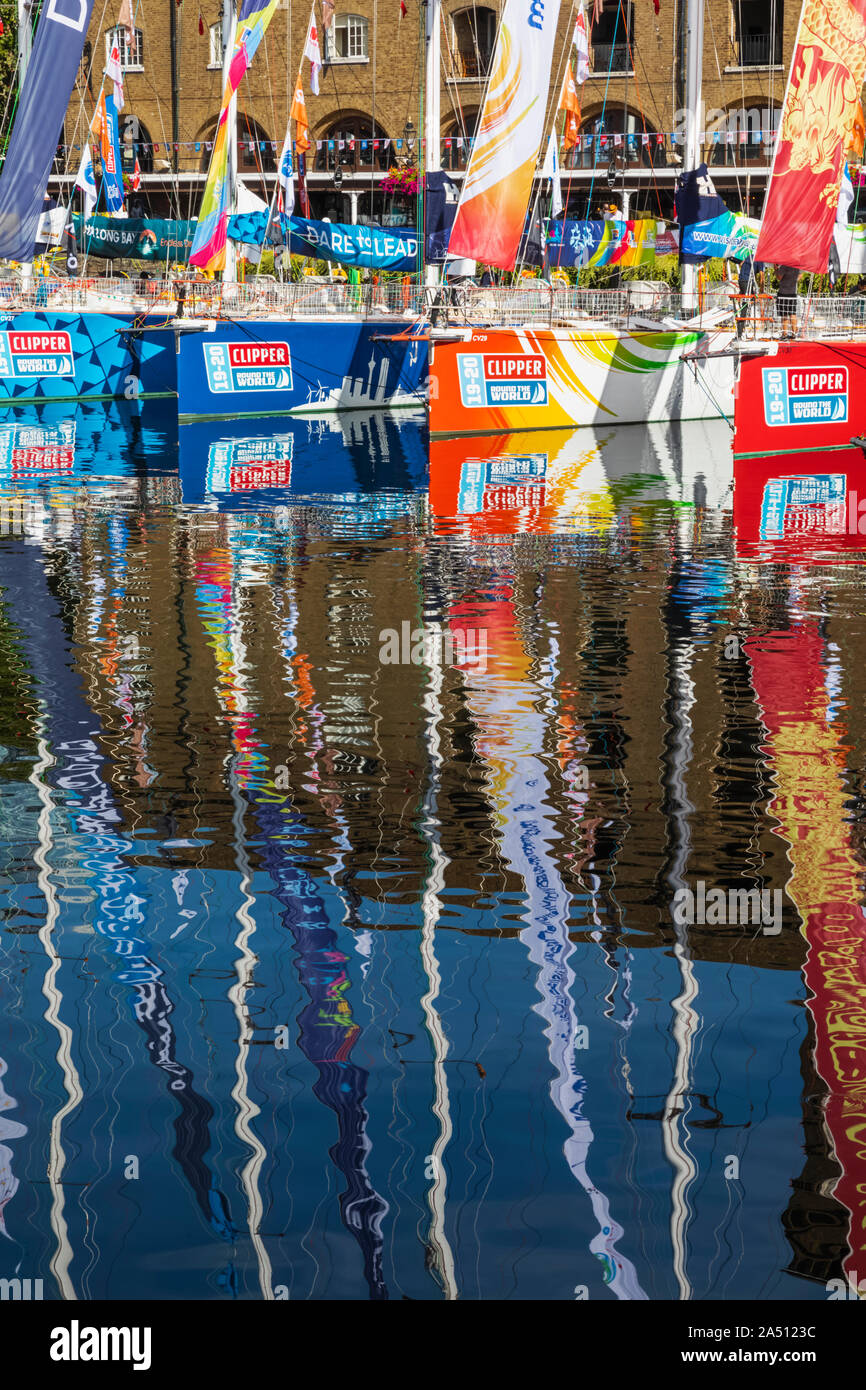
(503, 378)
(804, 395)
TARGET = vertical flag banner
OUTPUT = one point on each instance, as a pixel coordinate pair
(820, 107)
(112, 179)
(209, 246)
(312, 51)
(85, 179)
(42, 106)
(498, 182)
(580, 42)
(286, 177)
(570, 104)
(115, 72)
(298, 114)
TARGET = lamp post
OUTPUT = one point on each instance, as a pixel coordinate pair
(409, 142)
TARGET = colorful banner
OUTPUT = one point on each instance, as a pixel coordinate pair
(602, 243)
(806, 751)
(370, 248)
(134, 238)
(827, 73)
(112, 178)
(730, 236)
(209, 247)
(498, 183)
(45, 96)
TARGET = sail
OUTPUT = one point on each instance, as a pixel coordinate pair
(209, 246)
(498, 182)
(820, 107)
(45, 96)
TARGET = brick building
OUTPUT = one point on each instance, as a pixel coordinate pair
(372, 92)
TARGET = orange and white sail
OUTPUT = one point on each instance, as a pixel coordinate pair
(498, 183)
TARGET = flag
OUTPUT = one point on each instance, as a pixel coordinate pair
(328, 13)
(298, 114)
(85, 179)
(104, 127)
(312, 51)
(124, 21)
(286, 177)
(498, 183)
(570, 104)
(209, 243)
(136, 176)
(550, 170)
(581, 43)
(403, 10)
(596, 11)
(115, 72)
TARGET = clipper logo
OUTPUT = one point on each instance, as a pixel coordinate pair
(536, 14)
(79, 23)
(37, 353)
(805, 395)
(813, 504)
(511, 482)
(248, 366)
(245, 465)
(491, 379)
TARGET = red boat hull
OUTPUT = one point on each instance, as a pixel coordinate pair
(800, 397)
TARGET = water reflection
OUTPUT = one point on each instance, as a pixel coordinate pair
(327, 976)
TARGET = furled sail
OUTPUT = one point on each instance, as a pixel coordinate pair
(209, 247)
(827, 73)
(498, 182)
(45, 96)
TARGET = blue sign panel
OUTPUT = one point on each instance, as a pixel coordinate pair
(813, 503)
(248, 366)
(502, 378)
(805, 395)
(502, 484)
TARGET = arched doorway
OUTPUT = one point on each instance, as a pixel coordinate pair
(354, 142)
(256, 153)
(617, 135)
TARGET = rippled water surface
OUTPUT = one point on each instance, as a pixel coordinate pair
(332, 976)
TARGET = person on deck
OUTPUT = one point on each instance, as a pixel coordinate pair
(786, 300)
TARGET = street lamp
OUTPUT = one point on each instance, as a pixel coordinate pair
(338, 178)
(409, 140)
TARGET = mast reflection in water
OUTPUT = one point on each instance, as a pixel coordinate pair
(332, 977)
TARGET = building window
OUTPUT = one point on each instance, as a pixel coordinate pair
(131, 54)
(355, 143)
(349, 44)
(612, 42)
(757, 28)
(216, 45)
(474, 39)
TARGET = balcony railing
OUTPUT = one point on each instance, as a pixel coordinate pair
(610, 57)
(759, 50)
(472, 65)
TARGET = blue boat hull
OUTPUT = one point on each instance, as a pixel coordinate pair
(46, 356)
(267, 367)
(373, 461)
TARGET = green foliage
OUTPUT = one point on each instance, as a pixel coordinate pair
(8, 55)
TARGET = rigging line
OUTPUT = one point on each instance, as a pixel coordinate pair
(603, 109)
(639, 101)
(734, 165)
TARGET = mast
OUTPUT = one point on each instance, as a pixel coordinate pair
(694, 75)
(228, 30)
(432, 105)
(172, 8)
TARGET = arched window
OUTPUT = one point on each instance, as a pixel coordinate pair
(742, 135)
(473, 41)
(457, 141)
(347, 40)
(256, 153)
(354, 143)
(131, 54)
(135, 144)
(215, 41)
(617, 135)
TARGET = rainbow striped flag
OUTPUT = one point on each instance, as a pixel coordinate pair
(209, 244)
